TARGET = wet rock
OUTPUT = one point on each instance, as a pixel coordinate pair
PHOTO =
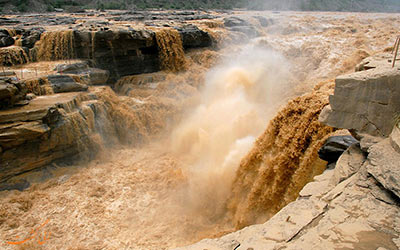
(19, 185)
(52, 116)
(11, 92)
(249, 31)
(365, 101)
(129, 83)
(8, 21)
(55, 20)
(335, 146)
(73, 68)
(30, 37)
(5, 39)
(91, 76)
(94, 76)
(65, 83)
(235, 21)
(52, 128)
(193, 37)
(120, 52)
(14, 134)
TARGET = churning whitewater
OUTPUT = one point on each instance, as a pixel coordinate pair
(219, 140)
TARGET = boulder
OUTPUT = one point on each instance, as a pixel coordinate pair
(193, 37)
(11, 92)
(6, 41)
(30, 37)
(94, 76)
(73, 68)
(366, 101)
(5, 38)
(334, 147)
(91, 76)
(65, 83)
(249, 31)
(235, 21)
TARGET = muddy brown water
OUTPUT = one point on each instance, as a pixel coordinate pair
(209, 175)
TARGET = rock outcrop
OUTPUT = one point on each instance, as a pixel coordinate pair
(334, 147)
(366, 101)
(193, 37)
(11, 92)
(121, 52)
(63, 126)
(65, 83)
(91, 76)
(49, 128)
(5, 38)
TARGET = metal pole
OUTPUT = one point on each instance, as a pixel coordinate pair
(395, 54)
(395, 43)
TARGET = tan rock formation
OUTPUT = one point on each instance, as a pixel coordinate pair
(365, 101)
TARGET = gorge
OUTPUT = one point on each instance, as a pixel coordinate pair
(156, 132)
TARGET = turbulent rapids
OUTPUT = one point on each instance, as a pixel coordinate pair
(220, 138)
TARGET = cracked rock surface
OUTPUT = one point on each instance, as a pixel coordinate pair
(365, 101)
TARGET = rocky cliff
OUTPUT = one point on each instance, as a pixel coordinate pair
(356, 204)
